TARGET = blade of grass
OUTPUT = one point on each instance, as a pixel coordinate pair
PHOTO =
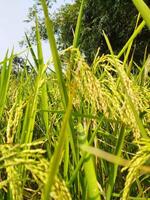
(44, 96)
(144, 10)
(31, 109)
(78, 26)
(56, 159)
(111, 158)
(133, 36)
(3, 71)
(129, 47)
(30, 114)
(4, 80)
(55, 55)
(114, 167)
(31, 50)
(58, 69)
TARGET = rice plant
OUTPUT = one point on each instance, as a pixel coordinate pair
(78, 132)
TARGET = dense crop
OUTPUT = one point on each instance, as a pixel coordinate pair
(79, 132)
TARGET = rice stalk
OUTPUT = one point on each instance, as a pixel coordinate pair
(4, 80)
(78, 26)
(43, 96)
(92, 184)
(57, 156)
(58, 69)
(114, 168)
(130, 40)
(144, 10)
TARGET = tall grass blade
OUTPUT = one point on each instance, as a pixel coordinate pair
(144, 10)
(133, 36)
(31, 50)
(112, 158)
(55, 55)
(78, 26)
(31, 110)
(58, 69)
(4, 80)
(43, 105)
(144, 71)
(129, 48)
(43, 96)
(56, 159)
(114, 167)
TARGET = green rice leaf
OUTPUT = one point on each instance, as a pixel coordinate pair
(144, 10)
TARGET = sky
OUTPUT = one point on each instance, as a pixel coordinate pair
(12, 27)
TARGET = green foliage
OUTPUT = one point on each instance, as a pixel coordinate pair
(66, 134)
(6, 67)
(144, 10)
(116, 18)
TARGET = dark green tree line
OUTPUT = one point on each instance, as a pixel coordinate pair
(116, 17)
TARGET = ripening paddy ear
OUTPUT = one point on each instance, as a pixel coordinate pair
(80, 131)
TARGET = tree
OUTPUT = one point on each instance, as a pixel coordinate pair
(116, 17)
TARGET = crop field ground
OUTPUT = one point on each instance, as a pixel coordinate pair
(80, 131)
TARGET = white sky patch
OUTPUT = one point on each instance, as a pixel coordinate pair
(12, 27)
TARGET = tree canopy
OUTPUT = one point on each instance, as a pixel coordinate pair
(116, 17)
